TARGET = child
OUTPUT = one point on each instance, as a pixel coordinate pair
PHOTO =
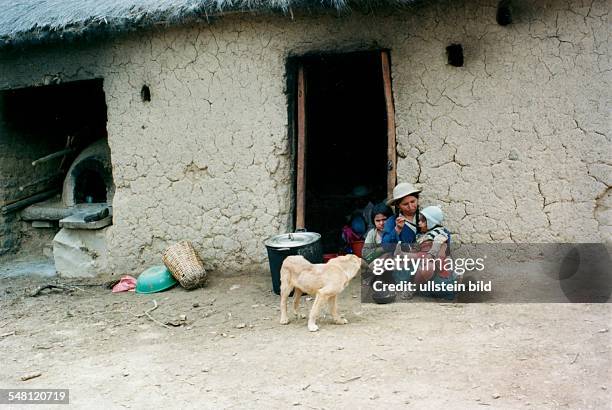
(380, 213)
(432, 237)
(431, 232)
(372, 245)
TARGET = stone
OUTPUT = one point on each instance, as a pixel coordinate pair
(42, 224)
(80, 253)
(76, 221)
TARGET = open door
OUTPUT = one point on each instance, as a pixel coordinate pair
(345, 128)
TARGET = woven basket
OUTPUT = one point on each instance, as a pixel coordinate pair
(185, 264)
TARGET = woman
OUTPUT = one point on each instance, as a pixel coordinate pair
(403, 226)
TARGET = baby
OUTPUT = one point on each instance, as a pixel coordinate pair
(431, 244)
(431, 232)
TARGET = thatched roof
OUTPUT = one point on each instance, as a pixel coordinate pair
(31, 21)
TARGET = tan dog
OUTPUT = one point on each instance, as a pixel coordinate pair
(325, 281)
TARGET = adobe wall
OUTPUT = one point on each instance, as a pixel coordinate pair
(515, 145)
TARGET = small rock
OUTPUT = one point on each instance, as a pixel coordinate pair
(182, 318)
(496, 396)
(241, 325)
(205, 370)
(30, 376)
(340, 348)
(234, 287)
(420, 339)
(374, 397)
(604, 388)
(125, 374)
(297, 403)
(603, 330)
(513, 155)
(195, 305)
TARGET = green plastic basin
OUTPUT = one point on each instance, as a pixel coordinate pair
(155, 279)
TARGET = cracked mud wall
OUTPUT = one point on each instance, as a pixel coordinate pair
(515, 145)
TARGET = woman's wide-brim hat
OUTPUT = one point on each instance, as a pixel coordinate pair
(401, 190)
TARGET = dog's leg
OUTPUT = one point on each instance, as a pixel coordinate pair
(333, 302)
(297, 296)
(314, 312)
(285, 291)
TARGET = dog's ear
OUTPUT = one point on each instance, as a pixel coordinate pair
(354, 266)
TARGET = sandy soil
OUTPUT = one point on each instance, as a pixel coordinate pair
(231, 352)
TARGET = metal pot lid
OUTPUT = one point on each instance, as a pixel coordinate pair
(292, 240)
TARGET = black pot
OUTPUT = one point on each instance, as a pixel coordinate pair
(307, 244)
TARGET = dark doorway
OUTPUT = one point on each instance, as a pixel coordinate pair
(50, 113)
(48, 120)
(346, 140)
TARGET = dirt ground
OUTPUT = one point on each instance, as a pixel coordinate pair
(230, 351)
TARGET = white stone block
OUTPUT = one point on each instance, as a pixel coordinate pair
(80, 253)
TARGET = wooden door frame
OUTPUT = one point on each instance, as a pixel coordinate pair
(301, 146)
(391, 141)
(300, 188)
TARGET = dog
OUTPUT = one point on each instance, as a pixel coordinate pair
(324, 281)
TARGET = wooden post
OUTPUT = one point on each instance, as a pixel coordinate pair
(52, 156)
(18, 204)
(391, 149)
(41, 180)
(300, 191)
